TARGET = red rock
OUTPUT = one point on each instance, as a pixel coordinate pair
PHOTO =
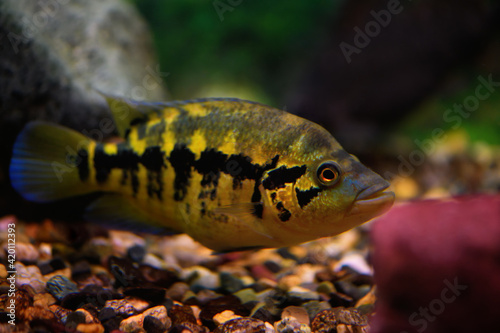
(437, 266)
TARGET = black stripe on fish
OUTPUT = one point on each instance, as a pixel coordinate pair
(277, 178)
(284, 214)
(83, 165)
(127, 160)
(304, 197)
(181, 159)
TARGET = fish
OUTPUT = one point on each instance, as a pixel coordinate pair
(232, 174)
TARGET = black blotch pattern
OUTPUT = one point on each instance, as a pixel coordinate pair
(210, 163)
(83, 166)
(278, 177)
(284, 214)
(127, 160)
(304, 197)
(153, 159)
(181, 159)
(273, 197)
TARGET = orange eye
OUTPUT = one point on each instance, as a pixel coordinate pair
(328, 173)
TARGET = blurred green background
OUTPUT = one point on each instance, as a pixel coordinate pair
(269, 51)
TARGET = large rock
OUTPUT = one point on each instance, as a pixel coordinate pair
(55, 53)
(437, 266)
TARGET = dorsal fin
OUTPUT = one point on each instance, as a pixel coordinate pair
(127, 112)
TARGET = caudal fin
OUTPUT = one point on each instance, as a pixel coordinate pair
(50, 162)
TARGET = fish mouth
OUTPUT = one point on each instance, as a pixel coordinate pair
(373, 201)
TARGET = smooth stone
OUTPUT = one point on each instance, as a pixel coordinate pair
(246, 295)
(136, 253)
(132, 323)
(297, 312)
(59, 286)
(160, 313)
(224, 316)
(230, 283)
(154, 325)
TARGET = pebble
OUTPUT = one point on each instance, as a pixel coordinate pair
(242, 325)
(160, 313)
(30, 275)
(200, 277)
(90, 328)
(291, 325)
(297, 312)
(3, 271)
(136, 253)
(181, 314)
(302, 294)
(349, 320)
(26, 252)
(60, 312)
(326, 287)
(121, 306)
(154, 325)
(246, 295)
(121, 241)
(59, 286)
(224, 316)
(177, 291)
(89, 319)
(43, 300)
(289, 281)
(230, 283)
(355, 261)
(132, 323)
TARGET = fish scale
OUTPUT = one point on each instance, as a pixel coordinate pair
(232, 174)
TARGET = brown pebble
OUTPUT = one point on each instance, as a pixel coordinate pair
(296, 312)
(242, 325)
(60, 312)
(177, 291)
(90, 328)
(160, 313)
(181, 314)
(130, 324)
(188, 328)
(347, 319)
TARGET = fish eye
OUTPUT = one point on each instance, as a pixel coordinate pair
(328, 173)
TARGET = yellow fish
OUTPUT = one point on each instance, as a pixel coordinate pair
(230, 173)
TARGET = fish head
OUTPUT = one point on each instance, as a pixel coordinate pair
(335, 193)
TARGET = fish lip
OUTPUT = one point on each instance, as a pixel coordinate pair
(373, 192)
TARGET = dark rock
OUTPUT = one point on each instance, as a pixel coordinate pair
(106, 314)
(218, 305)
(339, 299)
(181, 314)
(272, 266)
(45, 268)
(285, 253)
(230, 283)
(93, 294)
(57, 264)
(152, 295)
(242, 325)
(126, 275)
(263, 314)
(158, 277)
(59, 286)
(153, 325)
(347, 288)
(136, 253)
(437, 266)
(75, 318)
(80, 270)
(188, 327)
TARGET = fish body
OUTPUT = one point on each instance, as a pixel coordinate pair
(230, 173)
